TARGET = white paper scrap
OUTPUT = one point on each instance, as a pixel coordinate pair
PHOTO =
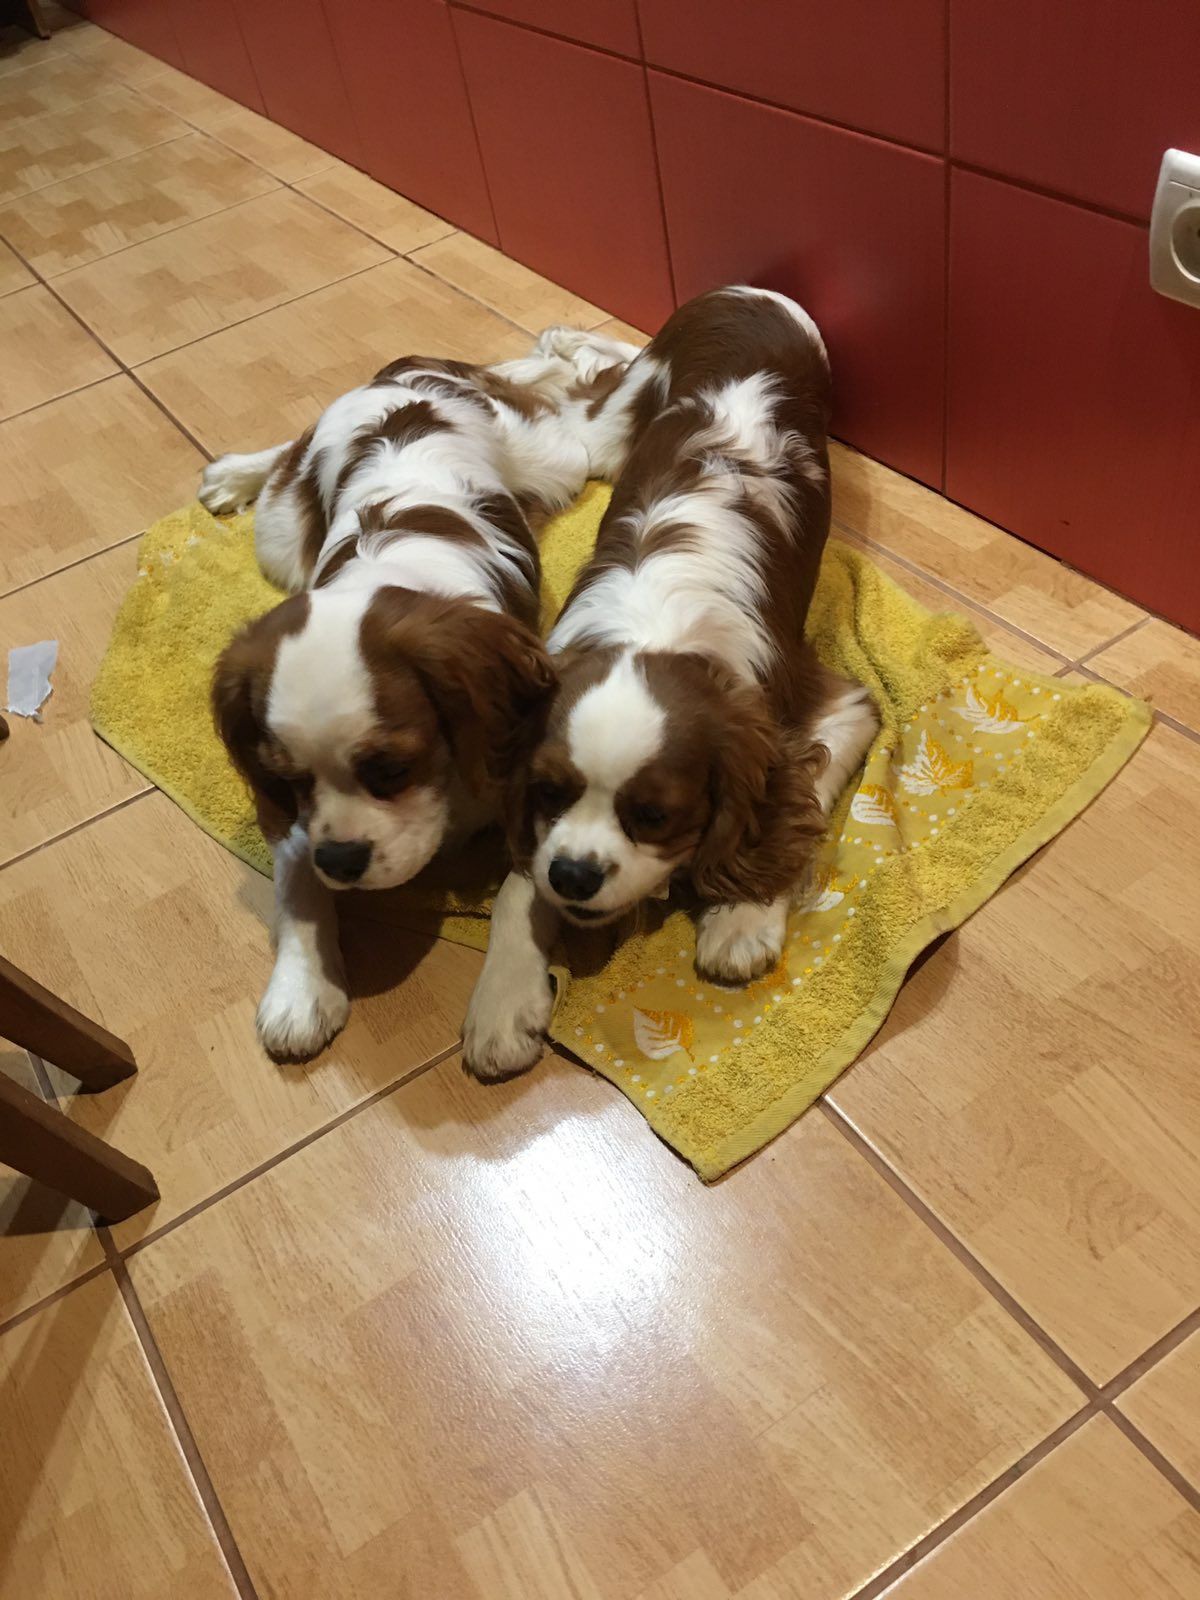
(29, 669)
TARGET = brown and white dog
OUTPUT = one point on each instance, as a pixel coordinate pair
(693, 726)
(375, 712)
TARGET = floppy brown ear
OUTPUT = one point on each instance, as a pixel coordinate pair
(767, 820)
(240, 683)
(489, 677)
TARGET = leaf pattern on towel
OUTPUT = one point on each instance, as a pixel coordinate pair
(931, 771)
(988, 716)
(826, 893)
(659, 1034)
(873, 804)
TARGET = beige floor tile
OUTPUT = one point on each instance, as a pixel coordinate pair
(508, 287)
(84, 472)
(95, 1500)
(46, 1241)
(1093, 1521)
(1036, 1079)
(1003, 641)
(616, 329)
(1160, 663)
(553, 1363)
(46, 353)
(268, 379)
(223, 269)
(154, 192)
(146, 924)
(62, 143)
(1058, 607)
(59, 82)
(20, 50)
(13, 273)
(265, 143)
(1165, 1405)
(378, 211)
(56, 774)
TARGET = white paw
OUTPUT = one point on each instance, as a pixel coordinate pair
(735, 944)
(505, 1030)
(225, 486)
(300, 1013)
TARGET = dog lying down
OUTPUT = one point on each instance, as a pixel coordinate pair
(690, 729)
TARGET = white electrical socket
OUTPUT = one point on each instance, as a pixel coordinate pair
(1175, 228)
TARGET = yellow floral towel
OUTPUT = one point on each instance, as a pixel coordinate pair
(976, 766)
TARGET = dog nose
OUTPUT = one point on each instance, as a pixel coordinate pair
(575, 880)
(345, 860)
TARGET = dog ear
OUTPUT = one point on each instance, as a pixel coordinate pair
(240, 684)
(488, 676)
(766, 818)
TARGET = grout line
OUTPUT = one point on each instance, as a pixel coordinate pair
(93, 383)
(185, 1438)
(1154, 1456)
(658, 177)
(1098, 649)
(79, 561)
(47, 1300)
(467, 295)
(163, 233)
(962, 1252)
(290, 1150)
(77, 827)
(1150, 1357)
(160, 405)
(470, 99)
(971, 1508)
(547, 33)
(948, 589)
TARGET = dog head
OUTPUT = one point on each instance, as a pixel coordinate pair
(358, 715)
(652, 762)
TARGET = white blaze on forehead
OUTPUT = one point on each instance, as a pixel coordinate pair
(321, 690)
(615, 727)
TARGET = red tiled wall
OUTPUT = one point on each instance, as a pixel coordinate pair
(958, 189)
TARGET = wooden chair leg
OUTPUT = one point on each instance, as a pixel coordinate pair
(33, 1017)
(44, 1144)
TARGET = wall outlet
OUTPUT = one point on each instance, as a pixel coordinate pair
(1175, 228)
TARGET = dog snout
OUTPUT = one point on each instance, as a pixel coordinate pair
(575, 880)
(344, 860)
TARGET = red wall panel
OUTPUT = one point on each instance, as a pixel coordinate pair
(409, 102)
(144, 23)
(213, 49)
(569, 156)
(1073, 391)
(878, 67)
(1082, 96)
(610, 24)
(297, 71)
(847, 225)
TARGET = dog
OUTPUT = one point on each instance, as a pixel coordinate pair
(692, 729)
(376, 712)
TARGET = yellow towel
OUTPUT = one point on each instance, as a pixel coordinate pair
(976, 766)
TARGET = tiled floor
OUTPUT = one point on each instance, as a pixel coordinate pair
(391, 1334)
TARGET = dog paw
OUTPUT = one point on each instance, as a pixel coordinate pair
(297, 1016)
(225, 486)
(736, 944)
(505, 1032)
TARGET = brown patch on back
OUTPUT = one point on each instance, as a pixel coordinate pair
(241, 686)
(401, 426)
(310, 510)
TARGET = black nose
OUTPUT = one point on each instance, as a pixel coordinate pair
(345, 861)
(575, 880)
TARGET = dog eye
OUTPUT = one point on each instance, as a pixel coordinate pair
(382, 776)
(550, 798)
(648, 818)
